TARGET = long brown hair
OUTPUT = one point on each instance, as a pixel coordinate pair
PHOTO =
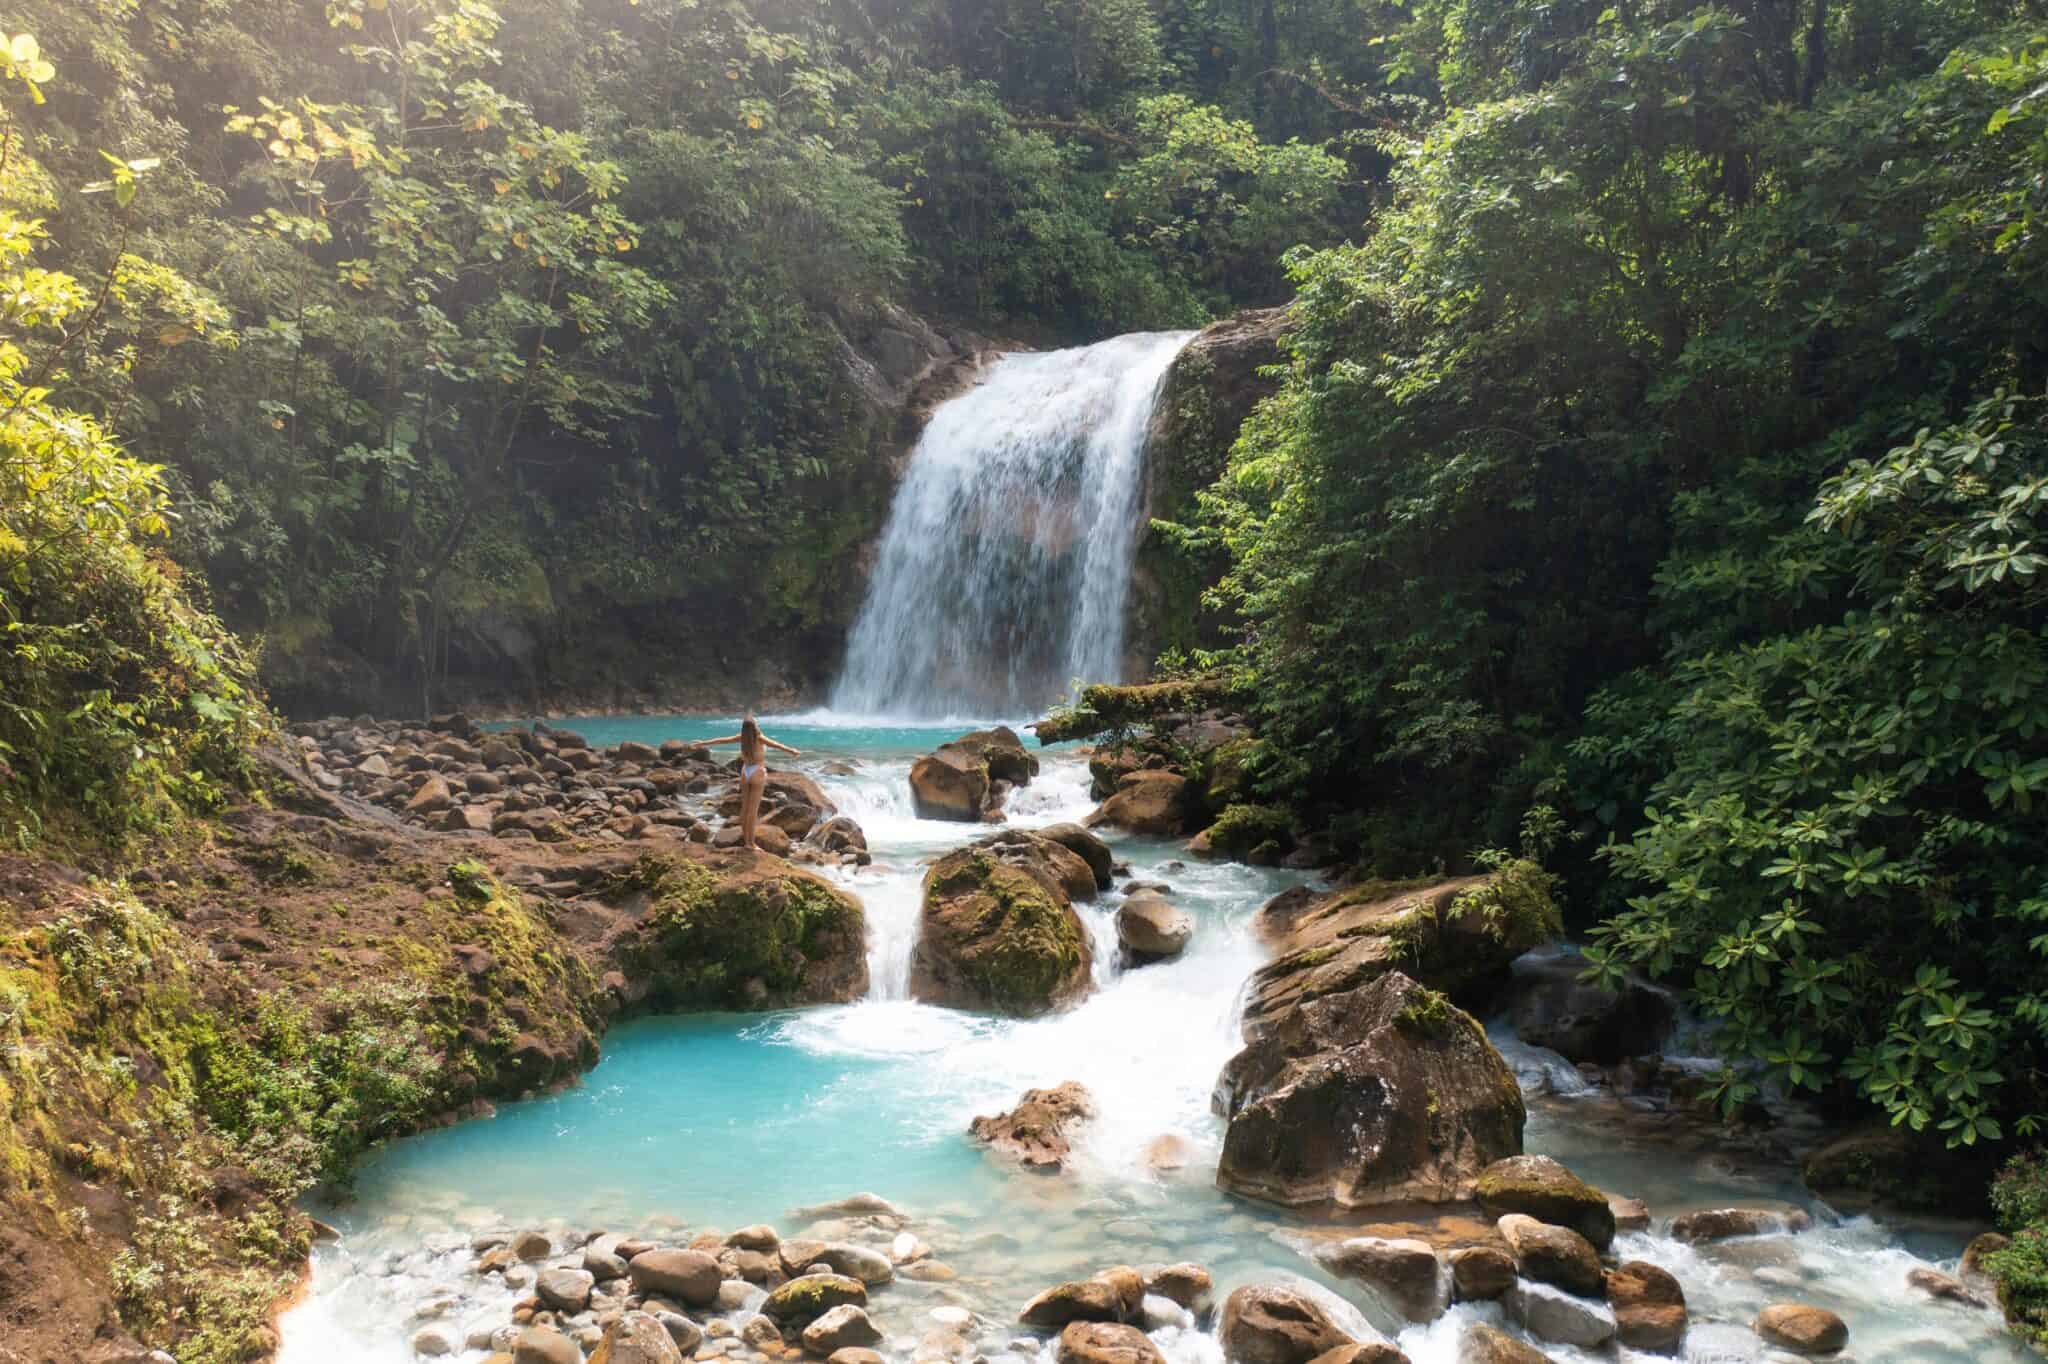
(750, 734)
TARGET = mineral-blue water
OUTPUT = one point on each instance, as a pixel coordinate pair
(719, 1121)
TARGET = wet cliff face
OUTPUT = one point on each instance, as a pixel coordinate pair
(1211, 388)
(700, 641)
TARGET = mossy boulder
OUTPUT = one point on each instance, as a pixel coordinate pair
(1151, 801)
(1381, 1094)
(1540, 1187)
(1456, 935)
(1258, 834)
(998, 932)
(741, 934)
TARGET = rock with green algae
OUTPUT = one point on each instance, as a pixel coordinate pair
(1456, 935)
(1382, 1094)
(740, 933)
(803, 1300)
(1540, 1187)
(998, 932)
(968, 779)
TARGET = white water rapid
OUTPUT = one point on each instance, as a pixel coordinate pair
(1006, 561)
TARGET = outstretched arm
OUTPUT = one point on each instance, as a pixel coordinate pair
(713, 743)
(792, 752)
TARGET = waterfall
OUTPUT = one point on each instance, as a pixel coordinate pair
(1006, 562)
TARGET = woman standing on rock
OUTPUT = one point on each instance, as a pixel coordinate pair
(754, 746)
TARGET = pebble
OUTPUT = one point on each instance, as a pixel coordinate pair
(952, 1317)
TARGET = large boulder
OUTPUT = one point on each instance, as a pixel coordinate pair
(1263, 1324)
(998, 932)
(1043, 856)
(1150, 801)
(741, 935)
(1382, 1094)
(1112, 1295)
(1457, 936)
(969, 778)
(1539, 1187)
(1551, 1007)
(1035, 1131)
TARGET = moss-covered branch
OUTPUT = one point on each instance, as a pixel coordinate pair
(1104, 708)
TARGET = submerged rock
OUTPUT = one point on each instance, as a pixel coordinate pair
(1186, 1283)
(1113, 1295)
(1263, 1324)
(1456, 936)
(998, 932)
(1718, 1224)
(1380, 1094)
(1035, 1131)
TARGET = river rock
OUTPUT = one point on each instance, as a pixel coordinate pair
(637, 1338)
(1481, 1273)
(1440, 934)
(1942, 1287)
(855, 1355)
(1188, 1284)
(1553, 1255)
(1539, 1187)
(1405, 1273)
(545, 1345)
(532, 1245)
(1380, 1094)
(759, 1237)
(689, 1276)
(844, 1327)
(1150, 801)
(838, 834)
(1150, 928)
(767, 837)
(1035, 1131)
(803, 1300)
(1040, 855)
(1263, 1324)
(1549, 1313)
(1802, 1327)
(1085, 846)
(432, 797)
(687, 1334)
(1718, 1224)
(434, 1341)
(965, 780)
(1483, 1344)
(998, 932)
(1551, 1007)
(1362, 1352)
(1649, 1307)
(1102, 1342)
(871, 1267)
(565, 1290)
(1108, 1296)
(1630, 1214)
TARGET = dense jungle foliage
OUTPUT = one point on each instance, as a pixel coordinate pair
(1662, 438)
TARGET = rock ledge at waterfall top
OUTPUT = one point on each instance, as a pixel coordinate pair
(998, 930)
(1381, 1094)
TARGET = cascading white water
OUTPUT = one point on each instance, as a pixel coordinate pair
(1006, 561)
